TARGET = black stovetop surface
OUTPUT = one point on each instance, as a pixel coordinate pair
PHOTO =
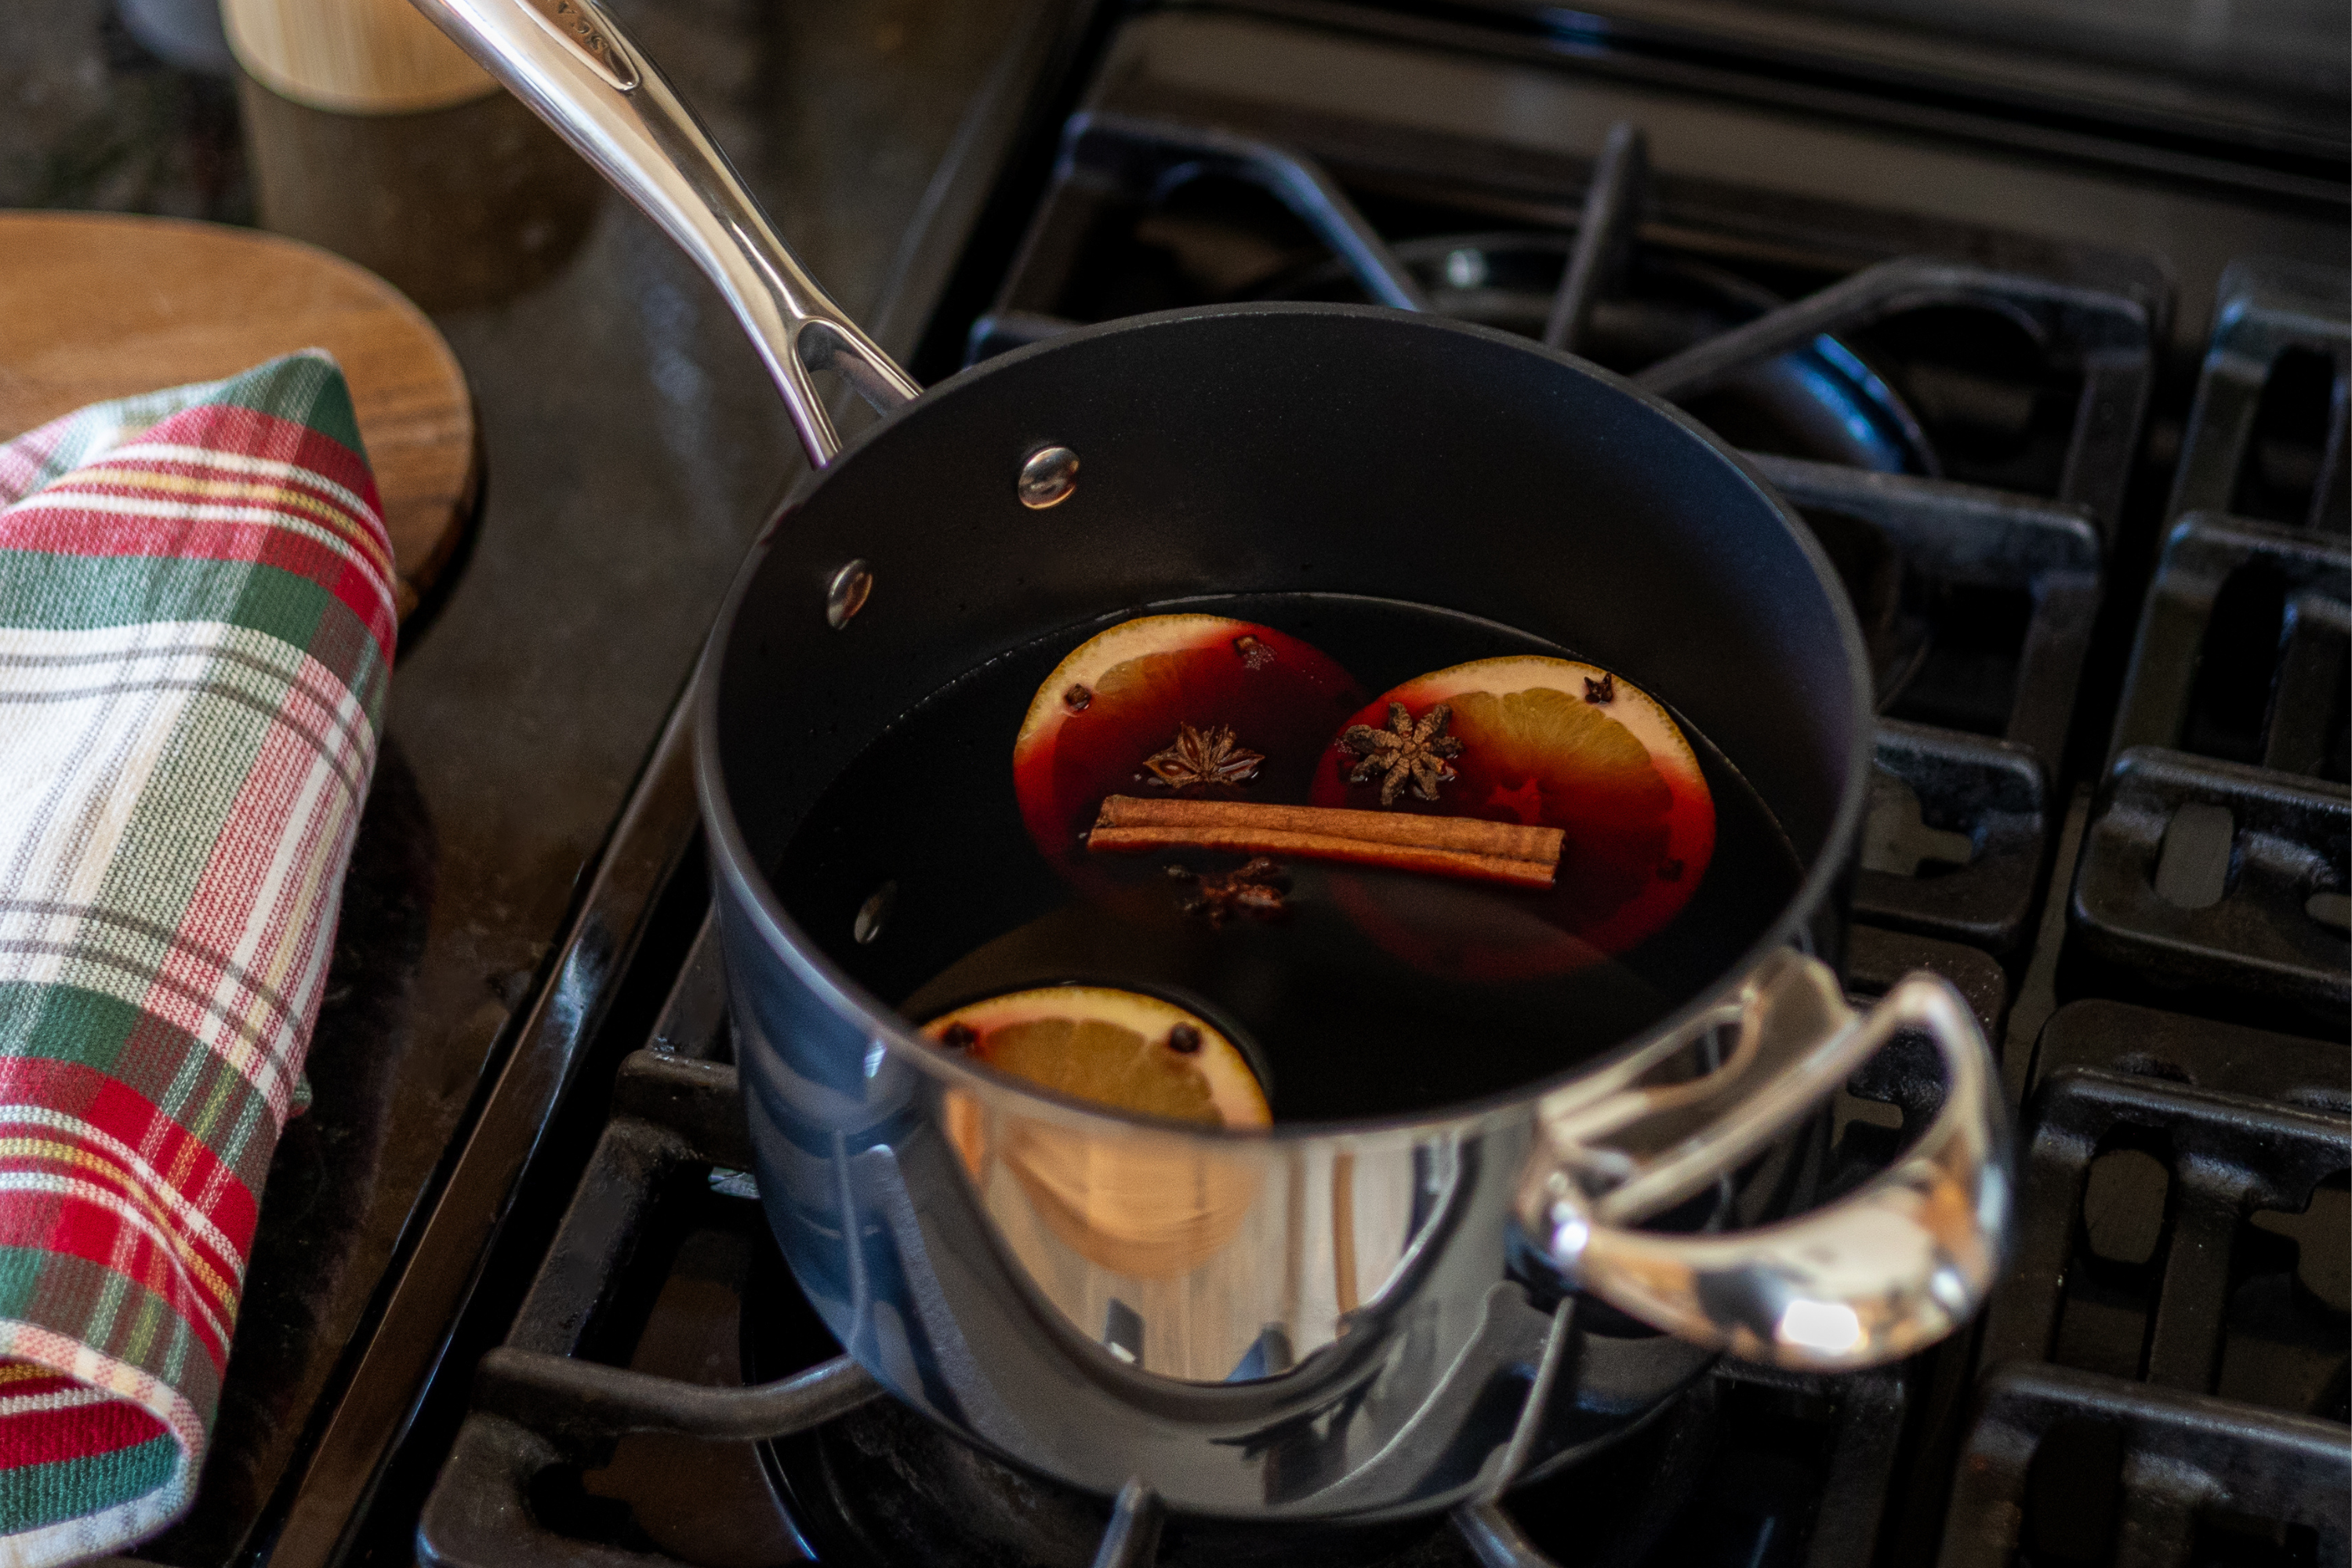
(2104, 576)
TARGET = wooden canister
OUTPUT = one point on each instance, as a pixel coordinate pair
(352, 56)
(369, 133)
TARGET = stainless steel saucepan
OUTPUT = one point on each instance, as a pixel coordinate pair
(1324, 1321)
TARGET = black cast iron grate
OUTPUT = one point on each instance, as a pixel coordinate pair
(2217, 853)
(2240, 650)
(2070, 1469)
(1953, 845)
(2217, 874)
(2266, 437)
(2169, 1348)
(2183, 1210)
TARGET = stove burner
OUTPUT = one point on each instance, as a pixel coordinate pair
(1822, 401)
(565, 1453)
(1193, 241)
(1730, 1473)
(883, 1486)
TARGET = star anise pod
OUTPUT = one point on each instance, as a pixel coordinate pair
(1406, 752)
(1208, 756)
(1257, 887)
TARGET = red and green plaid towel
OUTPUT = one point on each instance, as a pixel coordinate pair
(196, 623)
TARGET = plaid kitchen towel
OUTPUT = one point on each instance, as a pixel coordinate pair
(197, 622)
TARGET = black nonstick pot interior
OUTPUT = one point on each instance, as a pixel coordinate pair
(1286, 448)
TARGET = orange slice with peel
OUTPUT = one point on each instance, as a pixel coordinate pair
(1146, 1202)
(1257, 702)
(1567, 745)
(1122, 1049)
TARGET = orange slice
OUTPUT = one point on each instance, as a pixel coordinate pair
(1130, 694)
(1148, 1203)
(1117, 1048)
(1565, 745)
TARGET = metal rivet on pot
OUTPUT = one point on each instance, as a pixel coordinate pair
(875, 912)
(845, 594)
(1048, 475)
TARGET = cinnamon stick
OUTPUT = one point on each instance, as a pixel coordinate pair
(1461, 846)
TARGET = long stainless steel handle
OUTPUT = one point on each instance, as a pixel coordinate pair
(1870, 1277)
(581, 74)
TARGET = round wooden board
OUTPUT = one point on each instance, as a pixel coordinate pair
(94, 306)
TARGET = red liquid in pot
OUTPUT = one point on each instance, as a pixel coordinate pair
(1375, 993)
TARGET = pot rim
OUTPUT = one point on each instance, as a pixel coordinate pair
(808, 963)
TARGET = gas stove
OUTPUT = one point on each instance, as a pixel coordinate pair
(2053, 361)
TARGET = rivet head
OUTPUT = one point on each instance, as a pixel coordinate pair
(1047, 478)
(845, 594)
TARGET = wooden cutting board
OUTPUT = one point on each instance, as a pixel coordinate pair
(94, 306)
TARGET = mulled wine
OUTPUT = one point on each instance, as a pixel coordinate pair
(1360, 873)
